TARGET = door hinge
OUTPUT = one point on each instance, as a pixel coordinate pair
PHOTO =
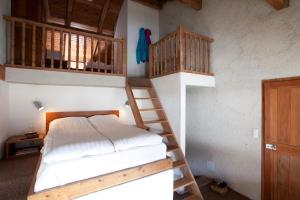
(271, 147)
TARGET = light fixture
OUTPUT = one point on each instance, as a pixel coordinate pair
(38, 105)
(127, 104)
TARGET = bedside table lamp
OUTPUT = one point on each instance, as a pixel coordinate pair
(38, 105)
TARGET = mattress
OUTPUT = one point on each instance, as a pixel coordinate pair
(59, 173)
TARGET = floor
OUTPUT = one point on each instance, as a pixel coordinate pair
(16, 176)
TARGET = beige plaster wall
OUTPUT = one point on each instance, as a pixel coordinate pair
(252, 42)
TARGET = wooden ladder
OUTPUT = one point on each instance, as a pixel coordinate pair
(180, 164)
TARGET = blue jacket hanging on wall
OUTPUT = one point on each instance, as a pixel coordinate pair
(142, 54)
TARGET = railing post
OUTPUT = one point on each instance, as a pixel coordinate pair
(12, 41)
(181, 55)
(23, 42)
(125, 57)
(209, 57)
(150, 61)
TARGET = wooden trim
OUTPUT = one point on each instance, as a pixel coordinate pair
(96, 184)
(282, 79)
(50, 116)
(2, 72)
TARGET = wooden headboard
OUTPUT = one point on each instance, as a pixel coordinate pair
(50, 116)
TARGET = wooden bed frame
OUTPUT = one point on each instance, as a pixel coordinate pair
(95, 184)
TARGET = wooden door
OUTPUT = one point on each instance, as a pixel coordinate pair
(281, 141)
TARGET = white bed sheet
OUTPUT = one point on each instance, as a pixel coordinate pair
(59, 173)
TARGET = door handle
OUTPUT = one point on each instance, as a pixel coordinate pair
(272, 147)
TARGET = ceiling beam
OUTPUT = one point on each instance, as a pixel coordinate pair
(46, 10)
(196, 4)
(69, 12)
(151, 3)
(279, 4)
(103, 15)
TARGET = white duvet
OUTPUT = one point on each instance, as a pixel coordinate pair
(74, 137)
(123, 136)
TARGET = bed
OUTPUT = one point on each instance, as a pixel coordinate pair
(92, 155)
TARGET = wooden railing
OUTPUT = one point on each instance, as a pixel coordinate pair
(180, 51)
(41, 46)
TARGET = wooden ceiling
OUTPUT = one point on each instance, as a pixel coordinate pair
(92, 15)
(97, 16)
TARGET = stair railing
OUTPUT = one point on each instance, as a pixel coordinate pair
(180, 51)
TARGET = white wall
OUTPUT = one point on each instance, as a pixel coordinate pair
(252, 42)
(139, 16)
(122, 22)
(4, 10)
(171, 90)
(24, 116)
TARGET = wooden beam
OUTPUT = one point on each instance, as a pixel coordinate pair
(196, 4)
(151, 3)
(46, 11)
(88, 186)
(103, 15)
(69, 12)
(279, 4)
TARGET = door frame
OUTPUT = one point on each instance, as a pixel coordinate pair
(264, 82)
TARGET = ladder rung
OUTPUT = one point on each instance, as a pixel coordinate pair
(166, 134)
(183, 182)
(150, 109)
(179, 164)
(144, 98)
(155, 121)
(172, 148)
(140, 88)
(192, 197)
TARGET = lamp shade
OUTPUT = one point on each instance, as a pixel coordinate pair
(127, 104)
(38, 105)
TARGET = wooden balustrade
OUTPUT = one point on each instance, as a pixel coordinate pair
(180, 51)
(41, 46)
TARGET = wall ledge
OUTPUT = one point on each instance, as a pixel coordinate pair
(39, 77)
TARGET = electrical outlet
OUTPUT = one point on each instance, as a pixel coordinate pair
(211, 166)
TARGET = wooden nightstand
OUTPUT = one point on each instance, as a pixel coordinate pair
(21, 145)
